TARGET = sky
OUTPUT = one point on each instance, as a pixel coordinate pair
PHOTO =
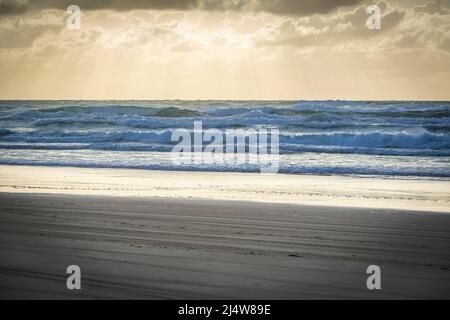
(225, 49)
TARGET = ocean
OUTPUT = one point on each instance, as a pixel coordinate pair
(366, 138)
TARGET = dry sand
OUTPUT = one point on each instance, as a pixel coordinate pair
(135, 234)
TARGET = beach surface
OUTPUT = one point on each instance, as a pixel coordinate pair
(185, 235)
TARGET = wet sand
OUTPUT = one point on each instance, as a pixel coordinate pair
(155, 248)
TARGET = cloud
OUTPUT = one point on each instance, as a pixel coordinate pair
(305, 7)
(25, 36)
(118, 5)
(23, 32)
(329, 30)
(12, 7)
(288, 7)
(431, 8)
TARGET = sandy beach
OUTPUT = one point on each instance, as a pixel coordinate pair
(180, 235)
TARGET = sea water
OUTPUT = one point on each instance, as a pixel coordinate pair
(389, 138)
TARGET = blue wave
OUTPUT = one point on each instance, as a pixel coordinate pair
(376, 140)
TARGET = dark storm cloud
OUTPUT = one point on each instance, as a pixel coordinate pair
(11, 7)
(432, 8)
(119, 5)
(305, 7)
(294, 7)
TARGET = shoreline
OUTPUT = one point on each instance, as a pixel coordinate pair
(344, 175)
(314, 190)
